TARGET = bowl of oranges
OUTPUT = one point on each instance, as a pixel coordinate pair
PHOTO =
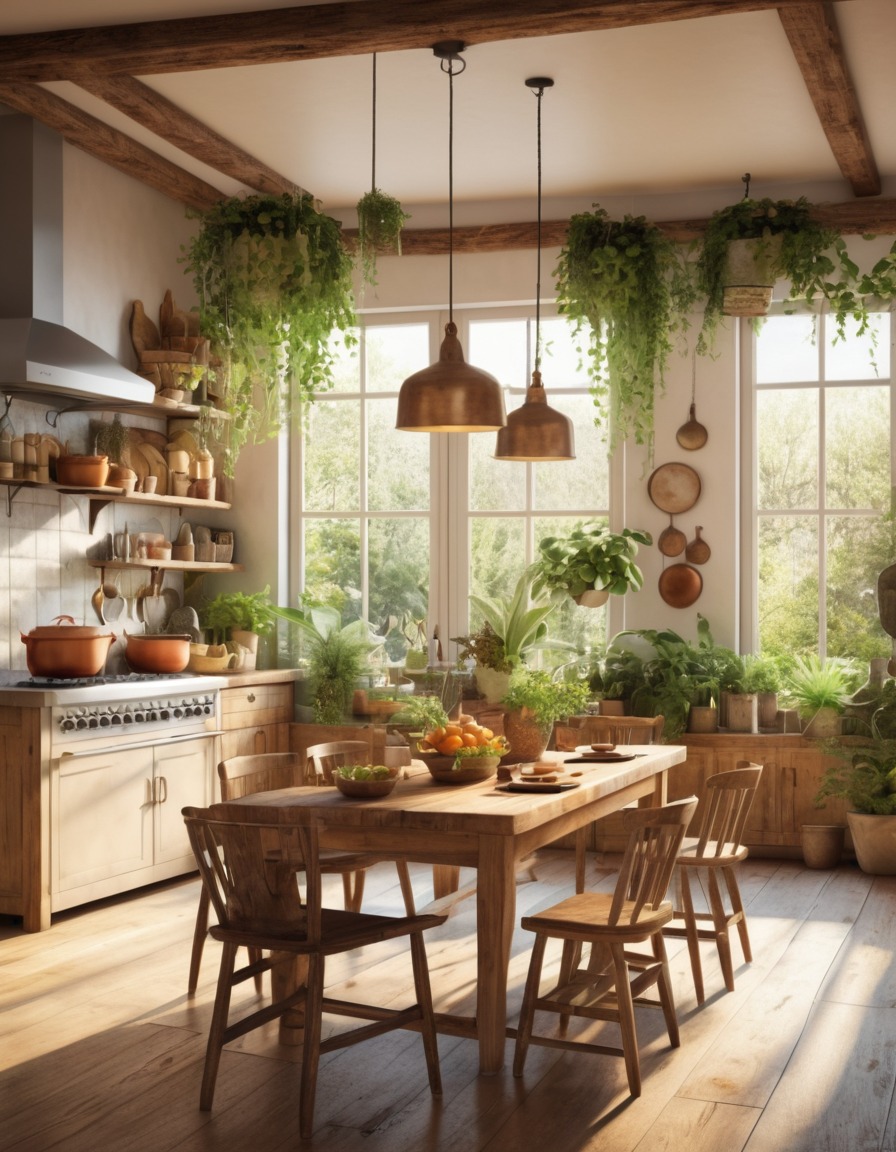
(462, 752)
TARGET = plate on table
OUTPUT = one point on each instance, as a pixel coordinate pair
(536, 785)
(586, 755)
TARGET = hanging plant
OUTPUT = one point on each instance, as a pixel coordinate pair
(792, 246)
(380, 221)
(633, 286)
(274, 282)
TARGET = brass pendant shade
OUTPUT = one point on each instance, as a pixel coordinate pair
(536, 431)
(450, 395)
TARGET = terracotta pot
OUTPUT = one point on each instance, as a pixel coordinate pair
(160, 652)
(593, 597)
(822, 844)
(82, 471)
(66, 652)
(874, 839)
(703, 718)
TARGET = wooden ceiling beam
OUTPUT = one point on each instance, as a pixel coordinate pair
(816, 44)
(854, 218)
(110, 145)
(153, 111)
(326, 30)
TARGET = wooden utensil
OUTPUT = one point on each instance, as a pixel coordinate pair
(674, 488)
(671, 540)
(680, 585)
(692, 435)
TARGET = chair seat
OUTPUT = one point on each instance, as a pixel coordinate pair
(710, 854)
(579, 917)
(339, 930)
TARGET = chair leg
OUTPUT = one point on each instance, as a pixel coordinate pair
(199, 934)
(407, 890)
(720, 927)
(311, 1045)
(428, 1024)
(664, 987)
(690, 923)
(737, 908)
(626, 1008)
(256, 954)
(353, 889)
(218, 1027)
(527, 1011)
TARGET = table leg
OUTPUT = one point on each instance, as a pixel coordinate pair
(445, 880)
(288, 972)
(495, 918)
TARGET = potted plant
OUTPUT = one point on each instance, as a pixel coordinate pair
(819, 690)
(535, 700)
(864, 774)
(380, 221)
(337, 657)
(778, 240)
(590, 564)
(632, 286)
(274, 282)
(241, 618)
(761, 676)
(512, 628)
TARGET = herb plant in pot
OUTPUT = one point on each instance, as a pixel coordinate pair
(782, 241)
(239, 618)
(864, 774)
(590, 564)
(819, 690)
(632, 286)
(535, 700)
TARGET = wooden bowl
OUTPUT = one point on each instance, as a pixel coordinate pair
(367, 789)
(473, 770)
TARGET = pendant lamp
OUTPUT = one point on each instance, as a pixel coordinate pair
(536, 431)
(450, 395)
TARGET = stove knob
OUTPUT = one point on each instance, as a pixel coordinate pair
(67, 724)
(116, 719)
(207, 710)
(104, 721)
(178, 713)
(81, 722)
(92, 722)
(139, 717)
(164, 714)
(126, 717)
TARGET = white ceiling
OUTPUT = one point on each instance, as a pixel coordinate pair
(679, 107)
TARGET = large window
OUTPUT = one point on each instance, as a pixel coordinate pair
(400, 527)
(823, 428)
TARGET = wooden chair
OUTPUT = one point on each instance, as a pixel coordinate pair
(617, 974)
(715, 852)
(256, 897)
(241, 776)
(605, 730)
(323, 760)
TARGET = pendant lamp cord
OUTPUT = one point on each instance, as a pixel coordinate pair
(373, 132)
(538, 95)
(450, 193)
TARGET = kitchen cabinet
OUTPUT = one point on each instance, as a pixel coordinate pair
(792, 771)
(115, 820)
(256, 711)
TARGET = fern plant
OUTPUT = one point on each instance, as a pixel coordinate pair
(633, 287)
(865, 776)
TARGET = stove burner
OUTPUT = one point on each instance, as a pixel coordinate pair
(96, 681)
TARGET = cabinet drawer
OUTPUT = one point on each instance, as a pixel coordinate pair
(257, 704)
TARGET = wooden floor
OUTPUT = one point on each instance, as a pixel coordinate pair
(102, 1050)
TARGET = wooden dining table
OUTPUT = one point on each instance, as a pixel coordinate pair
(477, 826)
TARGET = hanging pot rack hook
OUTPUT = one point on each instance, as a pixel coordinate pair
(449, 53)
(745, 180)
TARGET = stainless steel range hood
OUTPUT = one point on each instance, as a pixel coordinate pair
(40, 359)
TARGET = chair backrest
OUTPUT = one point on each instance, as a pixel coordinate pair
(611, 730)
(256, 890)
(324, 758)
(241, 775)
(729, 796)
(655, 835)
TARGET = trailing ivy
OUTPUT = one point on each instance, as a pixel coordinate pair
(633, 286)
(380, 221)
(274, 283)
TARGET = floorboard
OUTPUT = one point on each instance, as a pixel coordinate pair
(103, 1049)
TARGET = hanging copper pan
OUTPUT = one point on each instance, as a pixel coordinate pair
(671, 540)
(680, 585)
(674, 488)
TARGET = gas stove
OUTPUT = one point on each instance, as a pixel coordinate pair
(18, 688)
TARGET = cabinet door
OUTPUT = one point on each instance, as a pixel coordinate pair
(102, 817)
(183, 777)
(254, 741)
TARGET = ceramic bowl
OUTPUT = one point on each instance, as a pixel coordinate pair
(367, 789)
(473, 770)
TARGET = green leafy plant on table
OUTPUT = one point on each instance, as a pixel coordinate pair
(543, 699)
(633, 287)
(274, 282)
(793, 245)
(590, 557)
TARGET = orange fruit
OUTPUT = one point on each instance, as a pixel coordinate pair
(487, 733)
(450, 744)
(435, 736)
(473, 727)
(470, 740)
(453, 730)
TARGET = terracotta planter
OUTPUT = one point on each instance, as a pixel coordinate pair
(743, 712)
(874, 839)
(825, 722)
(703, 718)
(822, 844)
(592, 597)
(527, 739)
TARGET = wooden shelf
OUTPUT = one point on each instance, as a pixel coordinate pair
(169, 565)
(100, 497)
